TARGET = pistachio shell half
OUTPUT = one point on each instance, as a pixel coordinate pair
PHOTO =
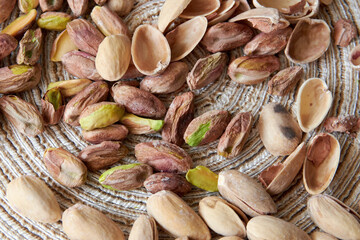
(310, 9)
(200, 8)
(355, 57)
(226, 9)
(321, 163)
(169, 11)
(287, 7)
(309, 41)
(313, 103)
(150, 50)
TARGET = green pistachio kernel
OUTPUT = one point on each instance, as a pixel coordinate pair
(155, 125)
(203, 178)
(56, 23)
(195, 138)
(19, 69)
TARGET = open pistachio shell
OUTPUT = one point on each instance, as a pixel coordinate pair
(62, 44)
(226, 10)
(169, 11)
(355, 57)
(150, 50)
(310, 9)
(309, 41)
(287, 7)
(200, 8)
(313, 103)
(322, 160)
(185, 37)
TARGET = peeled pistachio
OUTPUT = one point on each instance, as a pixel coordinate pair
(167, 181)
(139, 125)
(6, 9)
(121, 7)
(21, 24)
(30, 47)
(317, 235)
(144, 228)
(69, 88)
(224, 12)
(200, 8)
(285, 80)
(7, 44)
(26, 5)
(169, 11)
(50, 5)
(115, 132)
(203, 178)
(56, 21)
(62, 44)
(78, 7)
(53, 106)
(354, 57)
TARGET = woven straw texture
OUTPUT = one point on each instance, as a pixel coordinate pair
(21, 155)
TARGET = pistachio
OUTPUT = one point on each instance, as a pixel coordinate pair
(78, 7)
(21, 24)
(132, 72)
(222, 217)
(121, 7)
(7, 44)
(114, 132)
(317, 235)
(23, 115)
(139, 125)
(206, 128)
(334, 217)
(171, 80)
(64, 167)
(30, 47)
(108, 21)
(144, 228)
(84, 35)
(167, 208)
(311, 9)
(206, 70)
(125, 177)
(95, 92)
(43, 206)
(200, 8)
(138, 101)
(226, 36)
(61, 45)
(279, 131)
(285, 7)
(26, 5)
(53, 106)
(344, 32)
(354, 57)
(269, 227)
(102, 155)
(203, 178)
(178, 117)
(167, 181)
(348, 124)
(285, 80)
(6, 9)
(55, 21)
(80, 221)
(113, 57)
(133, 83)
(268, 43)
(225, 11)
(321, 162)
(69, 88)
(170, 11)
(245, 193)
(163, 156)
(235, 135)
(81, 65)
(50, 5)
(277, 178)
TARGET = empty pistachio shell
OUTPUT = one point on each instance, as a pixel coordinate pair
(245, 193)
(310, 9)
(354, 57)
(334, 217)
(309, 41)
(203, 178)
(317, 235)
(169, 11)
(144, 228)
(321, 163)
(185, 37)
(278, 130)
(313, 103)
(200, 8)
(150, 50)
(62, 44)
(277, 178)
(226, 9)
(286, 7)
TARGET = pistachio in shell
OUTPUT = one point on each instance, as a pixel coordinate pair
(144, 228)
(150, 50)
(225, 11)
(185, 37)
(200, 8)
(121, 7)
(277, 178)
(170, 11)
(313, 101)
(322, 160)
(203, 178)
(285, 7)
(354, 57)
(21, 24)
(309, 41)
(139, 125)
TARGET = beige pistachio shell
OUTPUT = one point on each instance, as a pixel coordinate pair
(313, 103)
(321, 162)
(317, 235)
(286, 7)
(200, 8)
(278, 178)
(226, 10)
(334, 217)
(169, 11)
(269, 227)
(354, 57)
(144, 228)
(309, 41)
(150, 50)
(185, 37)
(310, 10)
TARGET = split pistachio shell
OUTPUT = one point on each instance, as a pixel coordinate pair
(144, 228)
(62, 44)
(200, 8)
(317, 235)
(355, 57)
(150, 50)
(321, 163)
(226, 9)
(334, 217)
(313, 103)
(269, 227)
(310, 9)
(278, 177)
(286, 7)
(222, 217)
(169, 11)
(309, 41)
(185, 37)
(245, 193)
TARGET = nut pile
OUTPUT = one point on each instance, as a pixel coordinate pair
(103, 54)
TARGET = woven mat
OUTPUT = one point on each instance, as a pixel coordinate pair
(23, 155)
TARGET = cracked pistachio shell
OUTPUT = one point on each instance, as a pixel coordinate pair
(245, 193)
(81, 221)
(269, 227)
(62, 44)
(200, 8)
(170, 11)
(285, 7)
(150, 50)
(310, 10)
(176, 217)
(334, 217)
(6, 9)
(313, 103)
(321, 162)
(55, 21)
(203, 178)
(144, 228)
(69, 88)
(354, 57)
(317, 235)
(140, 125)
(32, 198)
(21, 24)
